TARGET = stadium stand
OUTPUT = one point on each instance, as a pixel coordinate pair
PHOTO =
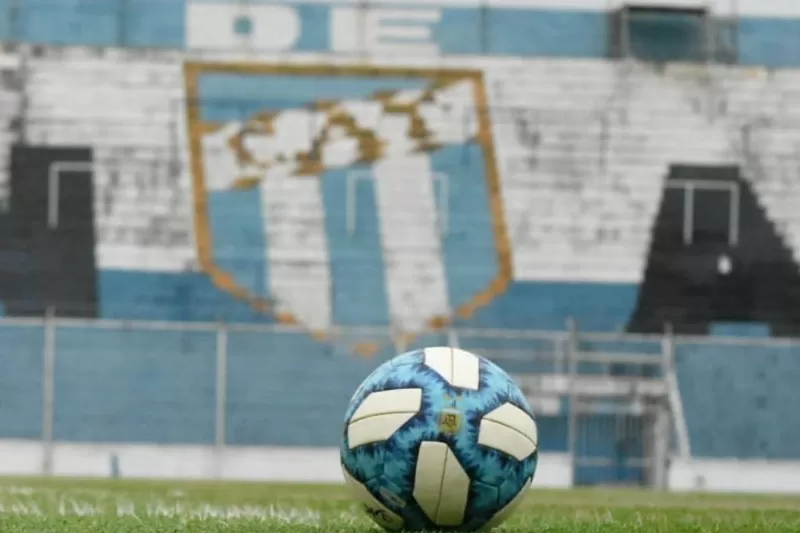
(480, 192)
(585, 201)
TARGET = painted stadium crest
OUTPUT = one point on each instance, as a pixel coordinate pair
(378, 182)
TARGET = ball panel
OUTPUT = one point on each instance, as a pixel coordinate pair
(429, 476)
(375, 509)
(389, 401)
(505, 439)
(441, 487)
(455, 493)
(466, 370)
(375, 428)
(439, 360)
(376, 381)
(456, 367)
(512, 416)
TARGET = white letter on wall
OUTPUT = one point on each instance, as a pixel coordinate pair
(241, 26)
(384, 31)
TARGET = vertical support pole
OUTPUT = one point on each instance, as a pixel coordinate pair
(733, 230)
(660, 447)
(48, 390)
(688, 213)
(572, 413)
(53, 192)
(674, 395)
(560, 355)
(221, 387)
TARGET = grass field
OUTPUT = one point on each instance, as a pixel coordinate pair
(66, 506)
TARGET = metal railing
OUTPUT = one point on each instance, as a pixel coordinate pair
(247, 384)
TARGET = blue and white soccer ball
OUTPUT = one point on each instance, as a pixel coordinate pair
(439, 439)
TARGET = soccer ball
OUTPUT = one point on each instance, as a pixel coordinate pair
(439, 439)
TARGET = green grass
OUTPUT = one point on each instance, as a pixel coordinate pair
(66, 506)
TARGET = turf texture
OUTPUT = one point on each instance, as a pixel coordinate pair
(67, 506)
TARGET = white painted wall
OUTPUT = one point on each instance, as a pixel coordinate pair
(321, 465)
(650, 117)
(731, 475)
(271, 464)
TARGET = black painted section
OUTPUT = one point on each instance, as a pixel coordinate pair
(43, 266)
(689, 286)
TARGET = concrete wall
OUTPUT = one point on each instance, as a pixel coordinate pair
(321, 465)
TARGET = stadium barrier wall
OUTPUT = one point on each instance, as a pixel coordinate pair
(321, 465)
(266, 464)
(75, 397)
(733, 475)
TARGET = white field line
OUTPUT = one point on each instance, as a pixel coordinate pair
(45, 502)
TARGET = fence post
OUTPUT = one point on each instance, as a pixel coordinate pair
(221, 388)
(48, 390)
(572, 412)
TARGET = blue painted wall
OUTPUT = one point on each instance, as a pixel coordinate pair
(138, 385)
(458, 30)
(21, 382)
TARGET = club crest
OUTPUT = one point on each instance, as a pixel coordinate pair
(341, 196)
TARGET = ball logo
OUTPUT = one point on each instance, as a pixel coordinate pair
(379, 515)
(391, 497)
(449, 421)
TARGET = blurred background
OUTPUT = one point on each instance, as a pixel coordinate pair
(219, 217)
